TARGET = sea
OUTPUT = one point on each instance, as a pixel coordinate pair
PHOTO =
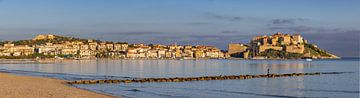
(345, 85)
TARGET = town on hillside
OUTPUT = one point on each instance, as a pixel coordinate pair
(277, 46)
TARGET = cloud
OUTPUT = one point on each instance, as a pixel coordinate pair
(133, 33)
(289, 25)
(235, 18)
(290, 21)
(345, 43)
(305, 29)
(229, 32)
(301, 28)
(228, 18)
(199, 23)
(224, 17)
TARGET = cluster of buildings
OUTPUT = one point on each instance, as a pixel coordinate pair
(90, 49)
(12, 50)
(99, 49)
(282, 42)
(174, 51)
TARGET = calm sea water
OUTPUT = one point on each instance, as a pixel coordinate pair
(334, 86)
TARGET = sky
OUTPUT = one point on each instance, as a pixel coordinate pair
(333, 25)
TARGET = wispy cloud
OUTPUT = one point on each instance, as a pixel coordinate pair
(339, 42)
(133, 33)
(199, 23)
(305, 29)
(289, 21)
(229, 32)
(290, 25)
(224, 17)
(301, 28)
(229, 18)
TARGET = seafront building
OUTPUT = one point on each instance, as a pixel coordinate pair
(95, 49)
(276, 46)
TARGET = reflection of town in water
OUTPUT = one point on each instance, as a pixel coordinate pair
(289, 86)
(164, 68)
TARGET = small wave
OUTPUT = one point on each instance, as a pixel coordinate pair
(155, 93)
(335, 72)
(265, 95)
(338, 91)
(64, 76)
(134, 90)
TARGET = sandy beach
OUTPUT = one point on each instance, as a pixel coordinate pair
(15, 86)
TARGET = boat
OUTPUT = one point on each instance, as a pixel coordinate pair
(309, 60)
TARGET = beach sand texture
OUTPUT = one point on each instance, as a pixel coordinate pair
(16, 86)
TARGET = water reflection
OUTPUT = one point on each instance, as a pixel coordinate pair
(163, 68)
(309, 86)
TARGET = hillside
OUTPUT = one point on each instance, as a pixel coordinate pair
(43, 39)
(311, 51)
(279, 46)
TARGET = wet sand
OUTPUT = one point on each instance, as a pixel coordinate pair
(16, 86)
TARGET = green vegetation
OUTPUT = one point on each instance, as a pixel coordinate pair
(102, 55)
(121, 43)
(2, 43)
(271, 53)
(131, 46)
(310, 48)
(56, 40)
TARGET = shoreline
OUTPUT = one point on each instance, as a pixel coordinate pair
(52, 60)
(232, 58)
(41, 87)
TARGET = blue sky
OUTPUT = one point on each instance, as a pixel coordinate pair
(327, 23)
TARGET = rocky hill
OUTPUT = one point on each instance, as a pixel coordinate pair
(279, 46)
